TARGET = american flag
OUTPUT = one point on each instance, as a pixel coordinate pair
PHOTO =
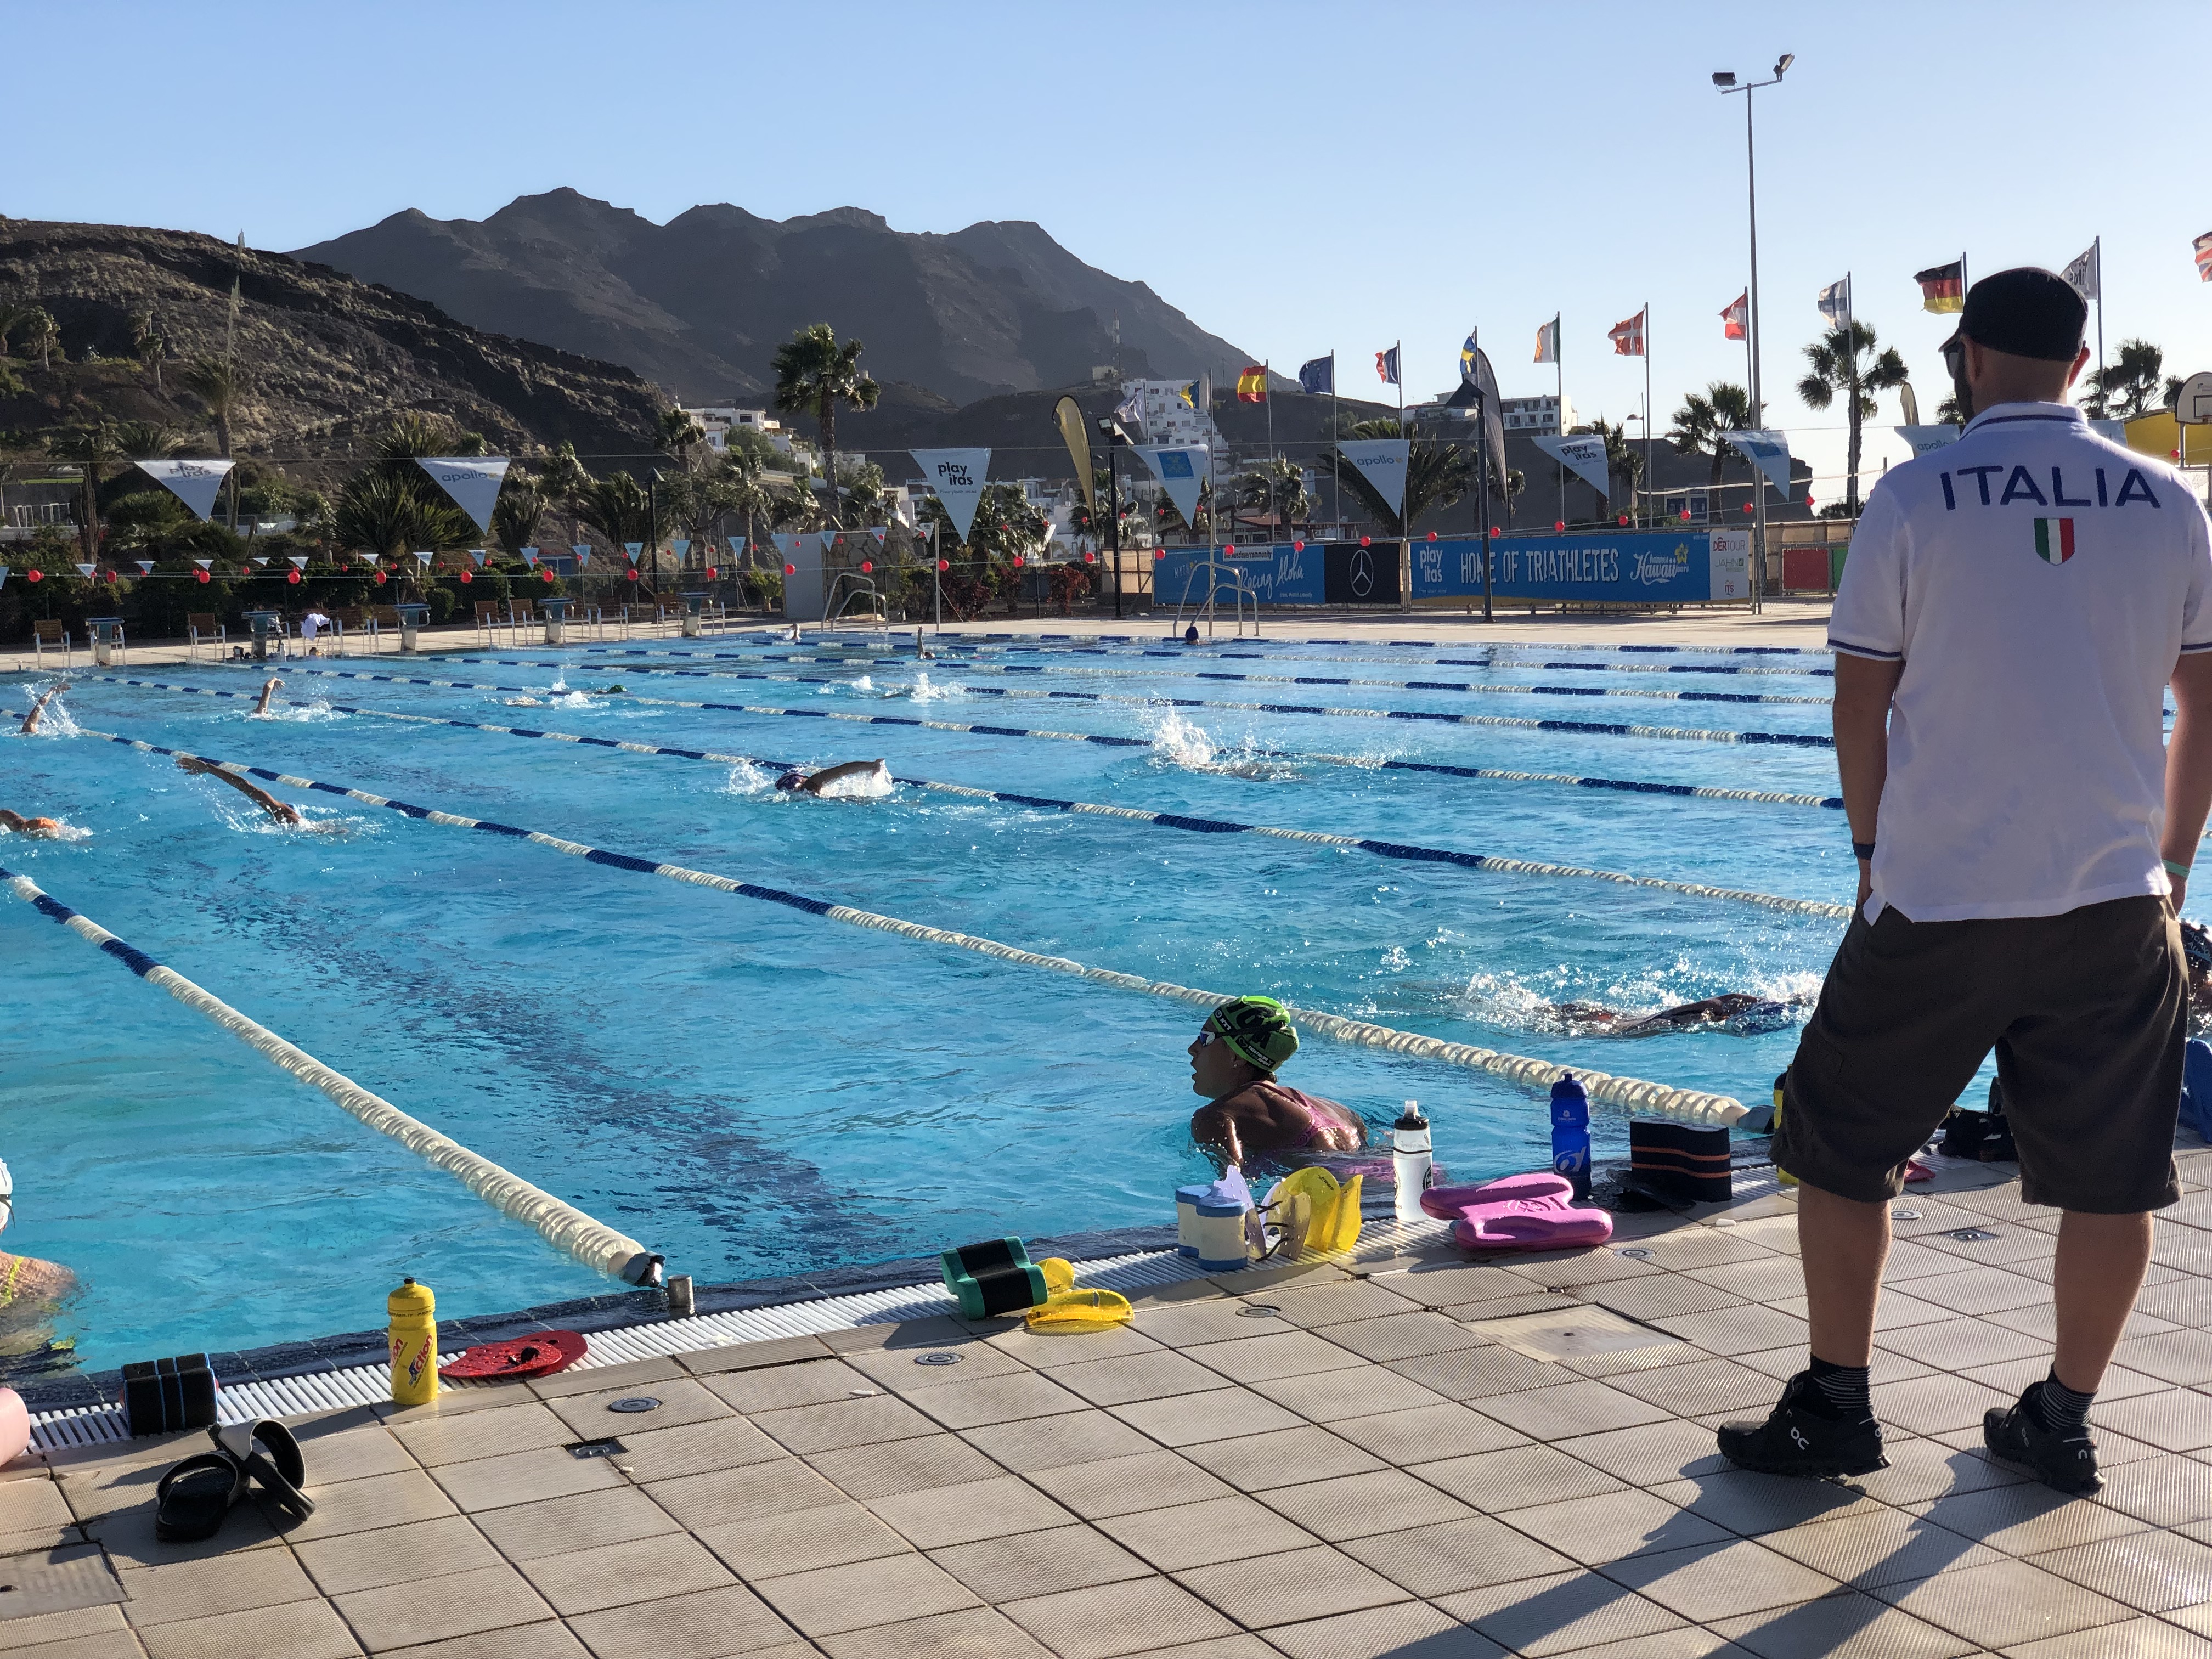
(2203, 246)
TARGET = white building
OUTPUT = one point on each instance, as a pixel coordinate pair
(1536, 418)
(1170, 417)
(718, 418)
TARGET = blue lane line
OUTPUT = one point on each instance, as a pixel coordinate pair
(129, 956)
(1434, 769)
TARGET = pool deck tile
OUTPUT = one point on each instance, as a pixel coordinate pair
(1304, 1465)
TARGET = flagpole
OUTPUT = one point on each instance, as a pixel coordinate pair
(1335, 469)
(1559, 413)
(1650, 480)
(2097, 265)
(1851, 345)
(1274, 476)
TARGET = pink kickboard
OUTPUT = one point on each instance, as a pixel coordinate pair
(14, 1426)
(1547, 1222)
(1448, 1203)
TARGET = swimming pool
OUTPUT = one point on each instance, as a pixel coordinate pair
(756, 1092)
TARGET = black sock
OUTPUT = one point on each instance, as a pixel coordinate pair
(2055, 1406)
(1837, 1391)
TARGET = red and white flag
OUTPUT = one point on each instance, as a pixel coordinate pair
(1736, 321)
(2203, 246)
(1628, 337)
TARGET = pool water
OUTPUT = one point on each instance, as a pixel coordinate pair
(756, 1090)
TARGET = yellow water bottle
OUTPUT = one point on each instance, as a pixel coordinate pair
(414, 1344)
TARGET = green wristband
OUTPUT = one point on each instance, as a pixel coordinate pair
(2174, 869)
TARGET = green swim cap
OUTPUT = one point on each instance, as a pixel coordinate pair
(1257, 1032)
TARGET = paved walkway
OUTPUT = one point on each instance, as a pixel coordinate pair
(1419, 1456)
(1799, 623)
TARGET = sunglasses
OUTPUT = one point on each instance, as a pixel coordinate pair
(1955, 358)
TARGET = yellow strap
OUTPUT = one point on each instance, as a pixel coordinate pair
(8, 1289)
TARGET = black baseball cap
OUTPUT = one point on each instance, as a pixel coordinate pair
(2024, 313)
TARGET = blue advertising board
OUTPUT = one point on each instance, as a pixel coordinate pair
(1283, 574)
(1628, 566)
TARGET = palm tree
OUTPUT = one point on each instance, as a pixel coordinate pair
(387, 513)
(148, 344)
(514, 516)
(1702, 424)
(2123, 389)
(89, 446)
(562, 481)
(813, 375)
(1852, 367)
(1437, 475)
(40, 333)
(149, 440)
(680, 433)
(1277, 488)
(616, 506)
(413, 435)
(12, 318)
(1622, 460)
(216, 382)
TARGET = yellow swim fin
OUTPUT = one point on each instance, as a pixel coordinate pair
(1071, 1312)
(1059, 1274)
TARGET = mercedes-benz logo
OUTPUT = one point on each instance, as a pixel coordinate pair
(1363, 573)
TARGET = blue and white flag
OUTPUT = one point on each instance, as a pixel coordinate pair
(680, 549)
(1835, 303)
(583, 552)
(298, 560)
(146, 566)
(1318, 376)
(478, 554)
(633, 549)
(736, 547)
(423, 559)
(529, 555)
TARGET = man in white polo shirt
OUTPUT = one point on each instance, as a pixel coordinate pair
(2013, 611)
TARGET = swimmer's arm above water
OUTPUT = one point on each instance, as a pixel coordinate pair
(262, 707)
(1215, 1128)
(38, 709)
(816, 782)
(283, 811)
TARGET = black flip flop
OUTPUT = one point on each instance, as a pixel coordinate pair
(266, 1452)
(193, 1498)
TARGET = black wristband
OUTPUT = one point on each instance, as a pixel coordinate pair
(1862, 849)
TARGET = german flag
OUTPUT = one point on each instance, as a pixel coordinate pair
(1943, 288)
(1252, 384)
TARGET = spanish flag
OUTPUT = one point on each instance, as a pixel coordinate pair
(1943, 287)
(1252, 384)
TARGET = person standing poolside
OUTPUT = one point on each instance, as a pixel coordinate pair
(2013, 608)
(1233, 1062)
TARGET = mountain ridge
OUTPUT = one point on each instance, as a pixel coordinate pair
(700, 304)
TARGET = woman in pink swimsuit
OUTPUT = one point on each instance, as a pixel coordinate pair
(1233, 1062)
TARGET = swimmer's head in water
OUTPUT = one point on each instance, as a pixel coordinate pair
(1256, 1030)
(2197, 947)
(791, 780)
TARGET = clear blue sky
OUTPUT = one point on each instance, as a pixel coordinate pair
(1296, 176)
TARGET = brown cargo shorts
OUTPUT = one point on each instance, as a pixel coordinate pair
(2087, 1012)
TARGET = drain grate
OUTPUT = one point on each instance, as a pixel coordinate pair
(1258, 1310)
(608, 1448)
(1971, 1235)
(940, 1357)
(634, 1403)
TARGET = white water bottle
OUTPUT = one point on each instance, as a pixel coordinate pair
(1410, 1160)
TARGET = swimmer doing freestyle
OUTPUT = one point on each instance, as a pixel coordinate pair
(1233, 1062)
(39, 710)
(283, 811)
(1737, 1009)
(814, 783)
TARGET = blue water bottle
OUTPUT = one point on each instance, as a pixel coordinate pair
(1570, 1147)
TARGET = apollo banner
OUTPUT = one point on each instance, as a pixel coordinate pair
(1767, 450)
(196, 483)
(956, 477)
(1632, 567)
(1382, 462)
(1583, 456)
(1181, 470)
(472, 481)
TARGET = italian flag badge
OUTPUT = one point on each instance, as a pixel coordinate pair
(2054, 540)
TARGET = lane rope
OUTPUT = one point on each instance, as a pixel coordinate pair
(559, 1223)
(1588, 728)
(1632, 786)
(1626, 1094)
(1388, 849)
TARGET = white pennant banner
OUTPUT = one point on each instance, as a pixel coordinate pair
(472, 481)
(1181, 469)
(261, 561)
(1583, 456)
(736, 547)
(583, 552)
(196, 483)
(958, 477)
(145, 566)
(1925, 439)
(1767, 450)
(879, 532)
(299, 561)
(204, 564)
(1382, 462)
(829, 538)
(86, 570)
(679, 549)
(422, 558)
(633, 549)
(530, 556)
(478, 554)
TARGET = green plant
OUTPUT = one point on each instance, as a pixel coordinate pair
(89, 446)
(218, 383)
(1702, 424)
(391, 514)
(515, 515)
(1437, 475)
(814, 374)
(1852, 367)
(2124, 388)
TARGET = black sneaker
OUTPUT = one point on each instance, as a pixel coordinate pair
(2064, 1460)
(1794, 1441)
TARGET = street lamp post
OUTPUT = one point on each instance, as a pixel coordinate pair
(1726, 80)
